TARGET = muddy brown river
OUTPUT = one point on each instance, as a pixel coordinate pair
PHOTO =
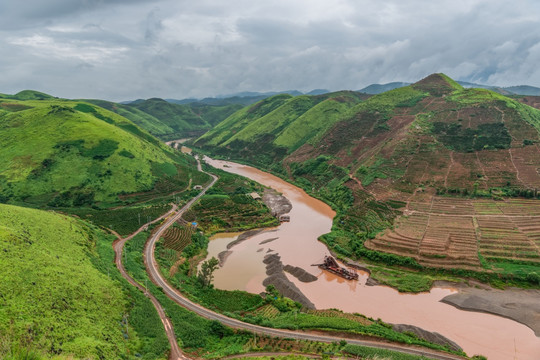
(493, 336)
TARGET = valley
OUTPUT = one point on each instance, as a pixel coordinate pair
(430, 191)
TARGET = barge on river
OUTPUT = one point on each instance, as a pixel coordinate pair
(330, 264)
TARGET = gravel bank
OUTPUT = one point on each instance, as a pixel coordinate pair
(520, 305)
(433, 337)
(277, 203)
(277, 277)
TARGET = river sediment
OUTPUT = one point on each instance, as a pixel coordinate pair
(521, 305)
(276, 277)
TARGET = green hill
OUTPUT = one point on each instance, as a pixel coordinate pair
(54, 301)
(279, 125)
(180, 118)
(390, 130)
(71, 153)
(168, 120)
(27, 95)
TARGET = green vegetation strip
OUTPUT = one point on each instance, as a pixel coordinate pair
(62, 296)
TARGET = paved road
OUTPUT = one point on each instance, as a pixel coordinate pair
(118, 247)
(153, 271)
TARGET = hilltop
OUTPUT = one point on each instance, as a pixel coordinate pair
(382, 159)
(27, 95)
(58, 152)
(526, 90)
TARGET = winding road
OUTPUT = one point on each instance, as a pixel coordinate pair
(118, 247)
(153, 271)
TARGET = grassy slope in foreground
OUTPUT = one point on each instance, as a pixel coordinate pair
(68, 153)
(52, 297)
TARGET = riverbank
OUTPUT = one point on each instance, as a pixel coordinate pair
(520, 305)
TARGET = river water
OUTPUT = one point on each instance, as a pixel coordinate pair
(296, 242)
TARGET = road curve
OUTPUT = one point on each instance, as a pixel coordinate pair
(156, 277)
(118, 247)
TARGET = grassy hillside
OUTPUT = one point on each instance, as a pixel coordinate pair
(279, 125)
(180, 118)
(70, 153)
(168, 120)
(395, 155)
(27, 95)
(138, 117)
(53, 300)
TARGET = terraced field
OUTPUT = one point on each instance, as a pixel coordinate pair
(177, 238)
(453, 232)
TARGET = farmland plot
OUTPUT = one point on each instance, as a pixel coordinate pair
(453, 232)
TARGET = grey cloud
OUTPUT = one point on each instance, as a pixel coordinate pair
(124, 50)
(37, 13)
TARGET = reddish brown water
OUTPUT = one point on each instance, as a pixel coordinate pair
(476, 333)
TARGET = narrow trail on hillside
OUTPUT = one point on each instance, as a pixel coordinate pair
(481, 167)
(449, 168)
(515, 167)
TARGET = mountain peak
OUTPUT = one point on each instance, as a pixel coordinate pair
(437, 84)
(28, 95)
(157, 100)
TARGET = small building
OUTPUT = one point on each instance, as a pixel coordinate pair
(185, 149)
(197, 187)
(255, 196)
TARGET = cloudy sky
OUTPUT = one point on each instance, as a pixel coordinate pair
(128, 49)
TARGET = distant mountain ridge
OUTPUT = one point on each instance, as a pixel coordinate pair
(509, 90)
(168, 120)
(243, 98)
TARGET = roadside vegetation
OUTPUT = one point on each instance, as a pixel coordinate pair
(229, 207)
